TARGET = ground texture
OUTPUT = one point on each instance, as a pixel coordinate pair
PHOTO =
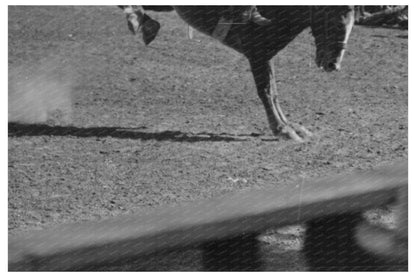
(126, 128)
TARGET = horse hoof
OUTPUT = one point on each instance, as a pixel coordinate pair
(289, 133)
(133, 23)
(261, 21)
(302, 131)
(294, 132)
(150, 28)
(258, 19)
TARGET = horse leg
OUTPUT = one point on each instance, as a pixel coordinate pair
(264, 77)
(138, 20)
(134, 16)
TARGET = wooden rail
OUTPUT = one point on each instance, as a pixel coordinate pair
(231, 221)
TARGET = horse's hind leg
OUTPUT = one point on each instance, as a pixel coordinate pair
(263, 73)
(138, 20)
(134, 16)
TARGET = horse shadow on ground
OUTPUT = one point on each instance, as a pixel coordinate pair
(399, 36)
(21, 130)
(403, 36)
(385, 26)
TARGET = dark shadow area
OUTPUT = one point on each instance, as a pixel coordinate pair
(399, 36)
(191, 259)
(188, 259)
(403, 36)
(378, 36)
(394, 27)
(20, 130)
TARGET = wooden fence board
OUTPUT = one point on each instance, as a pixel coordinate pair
(73, 246)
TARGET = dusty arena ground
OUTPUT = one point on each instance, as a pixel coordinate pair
(107, 126)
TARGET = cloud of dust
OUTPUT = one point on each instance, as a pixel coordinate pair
(40, 93)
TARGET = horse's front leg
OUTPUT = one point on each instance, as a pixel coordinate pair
(264, 77)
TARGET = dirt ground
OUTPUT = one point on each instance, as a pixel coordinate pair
(108, 126)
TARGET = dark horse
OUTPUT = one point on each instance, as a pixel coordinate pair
(331, 27)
